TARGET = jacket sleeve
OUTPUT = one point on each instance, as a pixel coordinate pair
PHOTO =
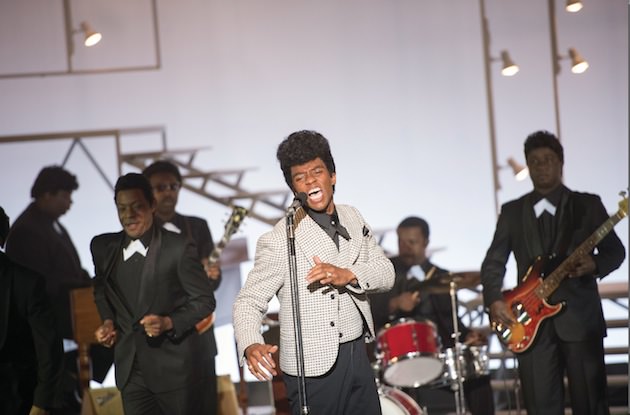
(610, 252)
(48, 344)
(493, 266)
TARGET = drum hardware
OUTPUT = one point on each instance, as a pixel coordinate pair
(474, 363)
(441, 283)
(458, 386)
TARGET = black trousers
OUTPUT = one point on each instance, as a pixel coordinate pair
(542, 370)
(194, 399)
(349, 388)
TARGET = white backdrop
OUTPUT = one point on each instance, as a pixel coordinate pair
(397, 87)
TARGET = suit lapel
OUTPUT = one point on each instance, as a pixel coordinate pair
(349, 250)
(147, 278)
(112, 258)
(308, 239)
(530, 228)
(565, 215)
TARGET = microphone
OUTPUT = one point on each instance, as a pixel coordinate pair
(298, 202)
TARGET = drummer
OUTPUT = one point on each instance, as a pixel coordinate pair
(414, 295)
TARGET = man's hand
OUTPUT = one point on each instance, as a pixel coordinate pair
(106, 334)
(584, 265)
(406, 301)
(36, 410)
(330, 274)
(476, 338)
(500, 314)
(212, 271)
(260, 360)
(155, 325)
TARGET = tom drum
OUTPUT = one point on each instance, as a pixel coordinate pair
(409, 352)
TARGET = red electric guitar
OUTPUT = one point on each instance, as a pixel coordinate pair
(528, 301)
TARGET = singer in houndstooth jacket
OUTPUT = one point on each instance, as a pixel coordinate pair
(338, 263)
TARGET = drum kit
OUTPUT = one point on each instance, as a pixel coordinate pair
(408, 354)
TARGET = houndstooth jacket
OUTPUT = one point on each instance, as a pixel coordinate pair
(320, 305)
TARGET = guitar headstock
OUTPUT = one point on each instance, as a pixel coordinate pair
(238, 215)
(623, 203)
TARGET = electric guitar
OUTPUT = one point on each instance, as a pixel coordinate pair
(237, 216)
(528, 302)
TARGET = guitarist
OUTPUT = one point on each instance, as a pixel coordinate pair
(166, 181)
(552, 219)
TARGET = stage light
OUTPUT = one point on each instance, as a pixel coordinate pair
(578, 64)
(509, 68)
(573, 6)
(91, 36)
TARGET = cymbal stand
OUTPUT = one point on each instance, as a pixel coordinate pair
(457, 387)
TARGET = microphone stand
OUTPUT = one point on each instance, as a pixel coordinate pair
(295, 301)
(458, 387)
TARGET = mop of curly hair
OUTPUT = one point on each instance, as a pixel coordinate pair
(301, 147)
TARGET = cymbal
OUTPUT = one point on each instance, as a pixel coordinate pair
(441, 283)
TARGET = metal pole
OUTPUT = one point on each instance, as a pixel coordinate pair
(491, 128)
(555, 65)
(297, 320)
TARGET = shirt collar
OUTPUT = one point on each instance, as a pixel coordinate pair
(329, 223)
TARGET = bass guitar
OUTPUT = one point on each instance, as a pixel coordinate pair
(237, 216)
(528, 302)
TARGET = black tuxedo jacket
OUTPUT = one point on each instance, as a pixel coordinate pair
(517, 232)
(173, 283)
(29, 340)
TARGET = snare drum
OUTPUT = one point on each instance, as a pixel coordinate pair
(409, 352)
(396, 402)
(473, 364)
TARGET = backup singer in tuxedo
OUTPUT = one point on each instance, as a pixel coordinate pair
(554, 219)
(150, 290)
(166, 182)
(31, 350)
(338, 263)
(39, 241)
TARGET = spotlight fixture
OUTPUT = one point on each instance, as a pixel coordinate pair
(573, 6)
(520, 172)
(578, 64)
(509, 67)
(91, 37)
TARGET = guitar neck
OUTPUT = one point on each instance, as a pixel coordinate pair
(218, 248)
(552, 282)
(238, 213)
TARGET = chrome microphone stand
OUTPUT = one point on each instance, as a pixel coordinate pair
(458, 386)
(295, 301)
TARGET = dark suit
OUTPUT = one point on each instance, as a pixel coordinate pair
(197, 231)
(31, 351)
(436, 308)
(172, 283)
(39, 242)
(580, 327)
